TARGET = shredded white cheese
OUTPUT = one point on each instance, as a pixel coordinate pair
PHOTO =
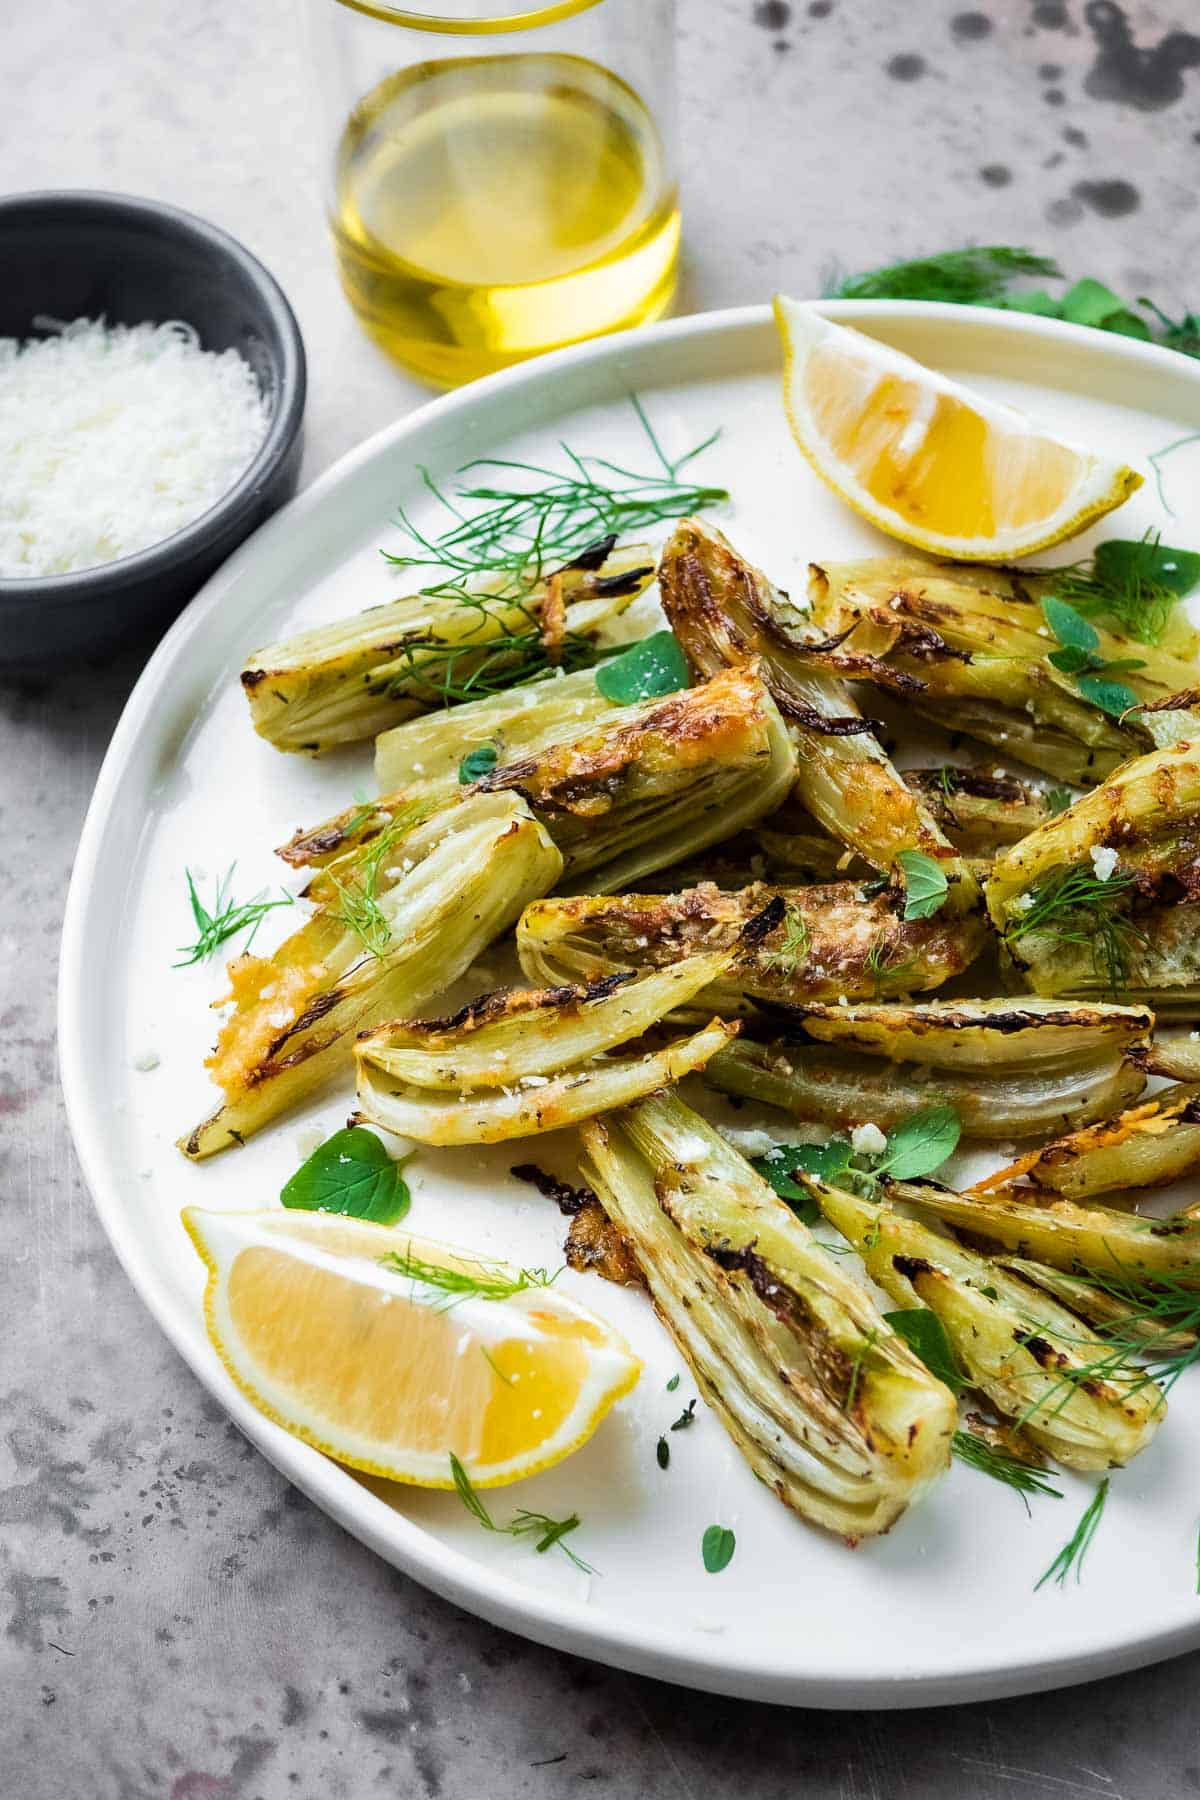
(1104, 861)
(111, 440)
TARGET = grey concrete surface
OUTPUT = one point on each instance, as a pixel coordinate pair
(175, 1623)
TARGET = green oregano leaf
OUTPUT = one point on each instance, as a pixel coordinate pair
(654, 666)
(1112, 697)
(717, 1547)
(925, 1336)
(925, 884)
(477, 763)
(350, 1173)
(829, 1162)
(920, 1144)
(1069, 626)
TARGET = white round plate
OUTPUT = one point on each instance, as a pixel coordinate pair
(944, 1608)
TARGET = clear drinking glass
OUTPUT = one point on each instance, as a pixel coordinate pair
(503, 181)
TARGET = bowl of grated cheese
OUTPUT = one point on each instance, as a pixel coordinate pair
(152, 384)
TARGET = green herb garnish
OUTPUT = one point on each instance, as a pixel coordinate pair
(351, 1173)
(1079, 655)
(925, 886)
(974, 277)
(1025, 1478)
(474, 1281)
(226, 918)
(549, 1532)
(717, 1547)
(663, 1452)
(359, 909)
(880, 968)
(1057, 800)
(925, 1336)
(918, 1145)
(1134, 583)
(1158, 457)
(518, 533)
(985, 276)
(687, 1417)
(792, 951)
(673, 1384)
(647, 670)
(1074, 906)
(1071, 1556)
(477, 763)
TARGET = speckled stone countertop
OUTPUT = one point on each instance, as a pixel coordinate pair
(178, 1624)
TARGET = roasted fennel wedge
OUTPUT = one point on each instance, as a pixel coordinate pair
(512, 1065)
(402, 923)
(1036, 1362)
(1008, 1068)
(829, 942)
(1096, 1242)
(425, 754)
(349, 680)
(830, 1409)
(982, 812)
(727, 614)
(1149, 1145)
(1105, 898)
(637, 789)
(969, 648)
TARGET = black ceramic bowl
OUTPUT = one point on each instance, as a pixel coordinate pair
(73, 255)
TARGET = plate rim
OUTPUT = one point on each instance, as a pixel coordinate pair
(558, 1621)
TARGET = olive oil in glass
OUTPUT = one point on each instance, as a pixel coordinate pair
(488, 208)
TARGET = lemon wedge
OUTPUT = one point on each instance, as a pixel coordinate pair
(389, 1352)
(925, 459)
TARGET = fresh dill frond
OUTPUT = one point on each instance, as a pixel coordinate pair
(359, 909)
(495, 655)
(548, 1532)
(515, 531)
(972, 277)
(225, 919)
(1156, 459)
(880, 967)
(1024, 1478)
(479, 1282)
(792, 951)
(1074, 906)
(1070, 1557)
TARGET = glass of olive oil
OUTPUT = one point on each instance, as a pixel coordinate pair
(503, 182)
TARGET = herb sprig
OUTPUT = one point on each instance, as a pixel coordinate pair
(1024, 1478)
(917, 1146)
(791, 953)
(479, 1281)
(1070, 1557)
(549, 1532)
(986, 274)
(351, 1173)
(1133, 582)
(225, 919)
(925, 885)
(1075, 906)
(1078, 655)
(516, 533)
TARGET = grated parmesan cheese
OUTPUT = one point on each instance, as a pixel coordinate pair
(111, 440)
